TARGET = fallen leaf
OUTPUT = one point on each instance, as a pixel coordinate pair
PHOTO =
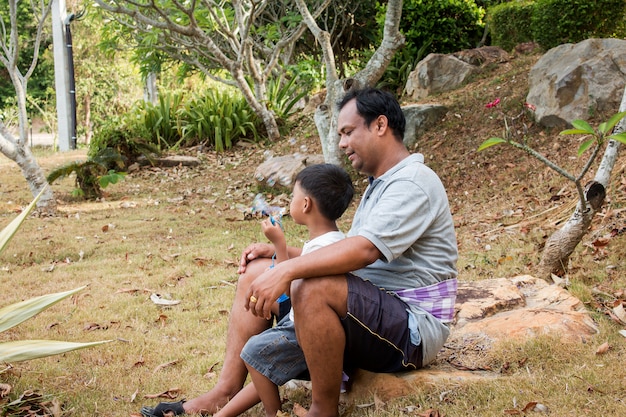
(134, 395)
(603, 348)
(620, 313)
(162, 318)
(530, 406)
(156, 299)
(5, 389)
(164, 365)
(91, 326)
(171, 394)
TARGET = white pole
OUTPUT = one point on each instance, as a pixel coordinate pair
(61, 76)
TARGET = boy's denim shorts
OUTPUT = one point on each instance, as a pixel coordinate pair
(377, 338)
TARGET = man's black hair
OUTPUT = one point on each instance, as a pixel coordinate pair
(372, 102)
(330, 186)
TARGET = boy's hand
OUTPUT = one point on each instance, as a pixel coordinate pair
(273, 231)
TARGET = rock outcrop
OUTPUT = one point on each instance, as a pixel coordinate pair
(572, 81)
(488, 312)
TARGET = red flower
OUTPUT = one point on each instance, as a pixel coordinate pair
(493, 103)
(531, 107)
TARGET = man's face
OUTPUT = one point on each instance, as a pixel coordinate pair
(357, 140)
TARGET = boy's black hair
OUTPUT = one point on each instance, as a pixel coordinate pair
(372, 102)
(330, 186)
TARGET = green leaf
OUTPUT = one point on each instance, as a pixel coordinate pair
(24, 350)
(584, 126)
(14, 314)
(585, 145)
(620, 137)
(490, 142)
(7, 233)
(610, 124)
(573, 132)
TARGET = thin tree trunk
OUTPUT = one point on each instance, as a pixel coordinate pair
(563, 242)
(21, 155)
(326, 114)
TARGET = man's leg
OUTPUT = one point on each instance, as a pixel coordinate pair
(241, 327)
(318, 304)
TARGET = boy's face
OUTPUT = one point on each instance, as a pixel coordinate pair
(298, 203)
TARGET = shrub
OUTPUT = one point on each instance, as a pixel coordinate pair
(126, 135)
(510, 23)
(450, 25)
(161, 122)
(217, 118)
(555, 22)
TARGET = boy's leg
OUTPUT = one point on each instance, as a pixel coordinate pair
(273, 358)
(240, 403)
(241, 327)
(266, 390)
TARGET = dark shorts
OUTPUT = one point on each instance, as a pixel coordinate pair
(377, 338)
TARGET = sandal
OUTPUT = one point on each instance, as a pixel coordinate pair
(164, 409)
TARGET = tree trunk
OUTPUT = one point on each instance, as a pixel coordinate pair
(326, 113)
(563, 242)
(20, 154)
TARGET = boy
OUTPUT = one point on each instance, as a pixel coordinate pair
(321, 195)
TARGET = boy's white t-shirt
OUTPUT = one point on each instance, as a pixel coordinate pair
(319, 242)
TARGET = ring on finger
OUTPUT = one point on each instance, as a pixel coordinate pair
(253, 299)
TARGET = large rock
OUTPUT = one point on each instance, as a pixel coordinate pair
(572, 81)
(282, 170)
(420, 117)
(439, 73)
(488, 312)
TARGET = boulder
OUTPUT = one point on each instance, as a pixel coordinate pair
(488, 311)
(444, 72)
(420, 117)
(572, 81)
(282, 170)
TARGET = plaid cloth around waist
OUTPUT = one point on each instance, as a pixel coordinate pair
(437, 299)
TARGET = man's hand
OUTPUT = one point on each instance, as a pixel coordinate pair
(265, 290)
(252, 252)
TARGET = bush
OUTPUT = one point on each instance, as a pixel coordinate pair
(510, 23)
(161, 121)
(450, 25)
(217, 118)
(555, 22)
(125, 135)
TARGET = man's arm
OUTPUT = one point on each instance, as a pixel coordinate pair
(337, 259)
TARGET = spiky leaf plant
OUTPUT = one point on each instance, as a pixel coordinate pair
(14, 314)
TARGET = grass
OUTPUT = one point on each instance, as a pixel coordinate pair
(178, 232)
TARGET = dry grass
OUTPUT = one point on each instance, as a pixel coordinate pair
(178, 232)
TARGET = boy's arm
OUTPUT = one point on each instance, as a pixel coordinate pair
(275, 234)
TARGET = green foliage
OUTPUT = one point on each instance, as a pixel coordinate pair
(555, 22)
(43, 75)
(14, 314)
(283, 94)
(449, 25)
(401, 66)
(217, 118)
(510, 23)
(160, 120)
(92, 175)
(125, 135)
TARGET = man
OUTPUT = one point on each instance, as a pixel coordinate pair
(377, 300)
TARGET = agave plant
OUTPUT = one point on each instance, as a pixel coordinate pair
(14, 314)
